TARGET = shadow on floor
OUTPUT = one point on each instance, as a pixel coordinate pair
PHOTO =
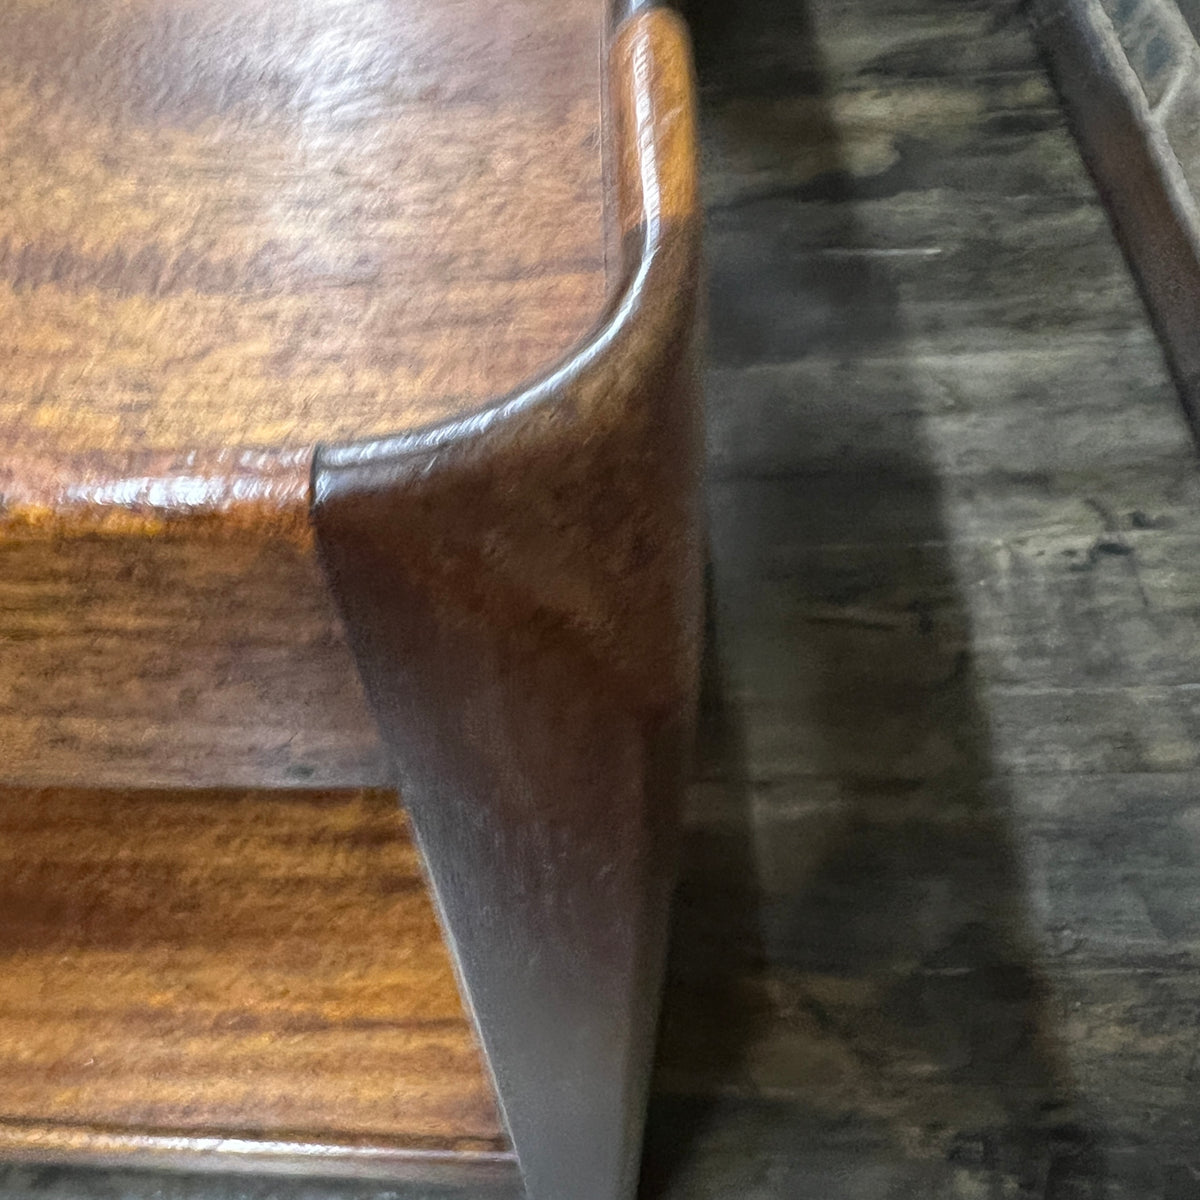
(853, 972)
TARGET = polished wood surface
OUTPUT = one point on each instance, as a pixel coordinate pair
(231, 230)
(228, 232)
(163, 582)
(262, 967)
(937, 935)
(522, 591)
(202, 654)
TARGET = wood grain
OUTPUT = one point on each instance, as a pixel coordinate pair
(937, 929)
(521, 590)
(229, 232)
(262, 967)
(201, 654)
(975, 984)
(563, 518)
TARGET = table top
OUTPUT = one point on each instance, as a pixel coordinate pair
(231, 230)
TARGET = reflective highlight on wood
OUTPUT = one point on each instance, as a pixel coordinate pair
(231, 233)
(521, 589)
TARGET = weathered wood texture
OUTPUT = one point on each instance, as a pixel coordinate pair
(936, 932)
(203, 965)
(936, 935)
(230, 232)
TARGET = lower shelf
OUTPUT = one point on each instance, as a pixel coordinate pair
(231, 980)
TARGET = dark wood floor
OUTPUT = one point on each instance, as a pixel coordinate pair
(939, 928)
(944, 881)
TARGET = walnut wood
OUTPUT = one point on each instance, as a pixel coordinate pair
(265, 969)
(521, 589)
(557, 527)
(230, 230)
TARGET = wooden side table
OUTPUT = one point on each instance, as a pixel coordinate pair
(282, 529)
